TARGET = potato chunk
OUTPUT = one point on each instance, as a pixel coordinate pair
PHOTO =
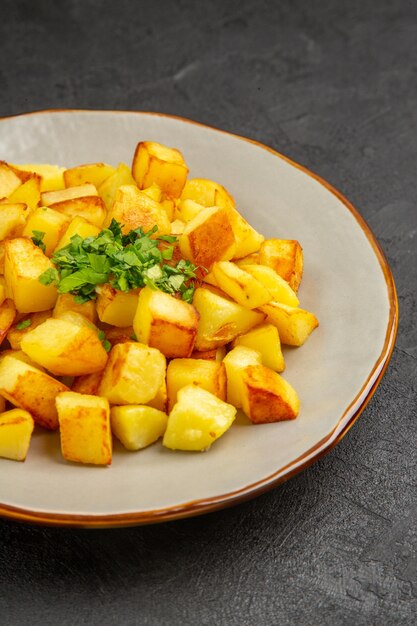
(155, 163)
(29, 192)
(88, 384)
(203, 191)
(51, 175)
(133, 375)
(65, 348)
(240, 285)
(50, 198)
(78, 226)
(279, 289)
(294, 324)
(235, 362)
(209, 375)
(12, 219)
(285, 256)
(95, 173)
(221, 320)
(30, 389)
(108, 189)
(197, 420)
(115, 307)
(264, 339)
(9, 180)
(133, 208)
(84, 423)
(7, 317)
(23, 264)
(51, 222)
(66, 302)
(137, 426)
(208, 237)
(267, 397)
(166, 323)
(16, 428)
(15, 334)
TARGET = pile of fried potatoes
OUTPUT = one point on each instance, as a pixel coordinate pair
(175, 370)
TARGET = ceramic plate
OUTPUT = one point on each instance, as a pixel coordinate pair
(347, 284)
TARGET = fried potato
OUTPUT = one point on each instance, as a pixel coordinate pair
(52, 176)
(203, 191)
(285, 256)
(23, 264)
(88, 384)
(30, 389)
(29, 192)
(209, 375)
(155, 163)
(265, 339)
(197, 420)
(16, 428)
(221, 320)
(279, 289)
(267, 397)
(49, 198)
(294, 324)
(108, 189)
(241, 286)
(9, 180)
(7, 317)
(66, 302)
(78, 226)
(208, 237)
(115, 307)
(51, 222)
(137, 426)
(133, 375)
(15, 334)
(235, 361)
(133, 208)
(12, 219)
(94, 173)
(90, 208)
(165, 322)
(84, 424)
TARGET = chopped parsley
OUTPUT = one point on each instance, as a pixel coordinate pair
(24, 324)
(106, 343)
(37, 239)
(125, 262)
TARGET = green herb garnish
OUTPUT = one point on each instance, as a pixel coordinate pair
(124, 261)
(106, 343)
(24, 324)
(37, 239)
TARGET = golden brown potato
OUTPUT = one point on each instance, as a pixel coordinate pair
(267, 397)
(12, 219)
(90, 208)
(24, 325)
(241, 286)
(23, 264)
(221, 320)
(94, 173)
(30, 389)
(108, 189)
(50, 198)
(294, 324)
(9, 180)
(29, 192)
(115, 334)
(137, 426)
(133, 208)
(133, 375)
(52, 177)
(265, 339)
(16, 428)
(84, 423)
(235, 362)
(208, 237)
(155, 163)
(50, 222)
(285, 256)
(217, 354)
(78, 226)
(115, 307)
(66, 302)
(21, 356)
(279, 289)
(7, 317)
(203, 192)
(209, 375)
(65, 348)
(165, 322)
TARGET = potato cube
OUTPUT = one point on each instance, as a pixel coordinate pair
(84, 423)
(250, 259)
(29, 193)
(285, 257)
(30, 389)
(294, 324)
(221, 320)
(52, 176)
(240, 285)
(177, 227)
(12, 219)
(9, 180)
(160, 401)
(21, 356)
(203, 191)
(267, 397)
(95, 173)
(208, 237)
(50, 198)
(155, 163)
(264, 339)
(88, 384)
(133, 375)
(66, 302)
(154, 192)
(108, 189)
(116, 334)
(78, 226)
(115, 307)
(90, 208)
(65, 348)
(279, 289)
(209, 375)
(165, 322)
(137, 426)
(7, 317)
(217, 354)
(25, 325)
(197, 420)
(248, 240)
(188, 209)
(235, 362)
(133, 208)
(48, 221)
(23, 264)
(16, 428)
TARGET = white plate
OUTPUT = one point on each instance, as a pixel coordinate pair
(347, 284)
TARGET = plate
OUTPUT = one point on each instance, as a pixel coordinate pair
(347, 283)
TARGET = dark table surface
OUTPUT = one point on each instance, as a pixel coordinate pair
(332, 85)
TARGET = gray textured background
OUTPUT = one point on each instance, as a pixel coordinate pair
(332, 85)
